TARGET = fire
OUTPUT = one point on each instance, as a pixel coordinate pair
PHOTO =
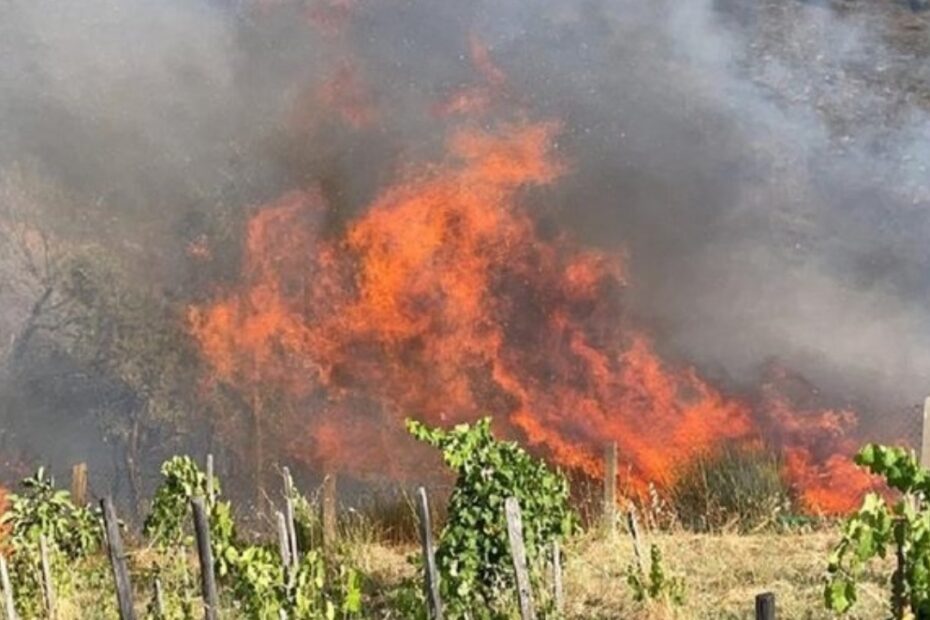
(444, 301)
(475, 99)
(347, 94)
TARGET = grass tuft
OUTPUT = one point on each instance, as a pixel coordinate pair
(735, 488)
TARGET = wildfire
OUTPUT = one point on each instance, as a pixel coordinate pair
(444, 301)
(475, 99)
(347, 94)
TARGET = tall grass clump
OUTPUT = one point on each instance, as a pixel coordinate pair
(735, 488)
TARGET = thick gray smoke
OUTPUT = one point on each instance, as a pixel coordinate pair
(764, 163)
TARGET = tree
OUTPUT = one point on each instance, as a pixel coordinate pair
(76, 299)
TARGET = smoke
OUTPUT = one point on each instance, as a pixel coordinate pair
(762, 163)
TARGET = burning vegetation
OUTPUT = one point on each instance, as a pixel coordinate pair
(336, 235)
(445, 300)
(386, 233)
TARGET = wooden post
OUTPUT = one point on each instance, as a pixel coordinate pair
(899, 597)
(557, 596)
(518, 553)
(330, 529)
(48, 586)
(79, 484)
(637, 541)
(765, 606)
(7, 590)
(294, 553)
(284, 543)
(925, 440)
(205, 553)
(117, 560)
(610, 488)
(430, 572)
(159, 600)
(211, 495)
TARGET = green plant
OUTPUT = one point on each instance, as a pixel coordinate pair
(733, 487)
(72, 533)
(474, 553)
(262, 588)
(168, 524)
(656, 585)
(877, 528)
(168, 520)
(42, 510)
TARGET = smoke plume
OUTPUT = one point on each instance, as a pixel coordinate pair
(760, 165)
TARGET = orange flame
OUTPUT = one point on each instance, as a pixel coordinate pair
(444, 301)
(477, 98)
(349, 96)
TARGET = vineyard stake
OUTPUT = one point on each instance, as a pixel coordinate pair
(925, 442)
(205, 552)
(765, 606)
(330, 530)
(557, 577)
(284, 545)
(48, 586)
(610, 488)
(159, 600)
(898, 591)
(117, 560)
(637, 540)
(430, 573)
(79, 484)
(7, 590)
(518, 553)
(210, 491)
(289, 514)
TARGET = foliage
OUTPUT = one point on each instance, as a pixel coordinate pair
(260, 585)
(474, 553)
(902, 528)
(182, 480)
(657, 585)
(733, 487)
(42, 510)
(71, 532)
(168, 523)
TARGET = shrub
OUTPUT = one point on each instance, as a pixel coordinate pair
(169, 518)
(41, 509)
(260, 586)
(657, 585)
(72, 532)
(734, 487)
(474, 553)
(880, 528)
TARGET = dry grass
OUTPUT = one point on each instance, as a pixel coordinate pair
(723, 573)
